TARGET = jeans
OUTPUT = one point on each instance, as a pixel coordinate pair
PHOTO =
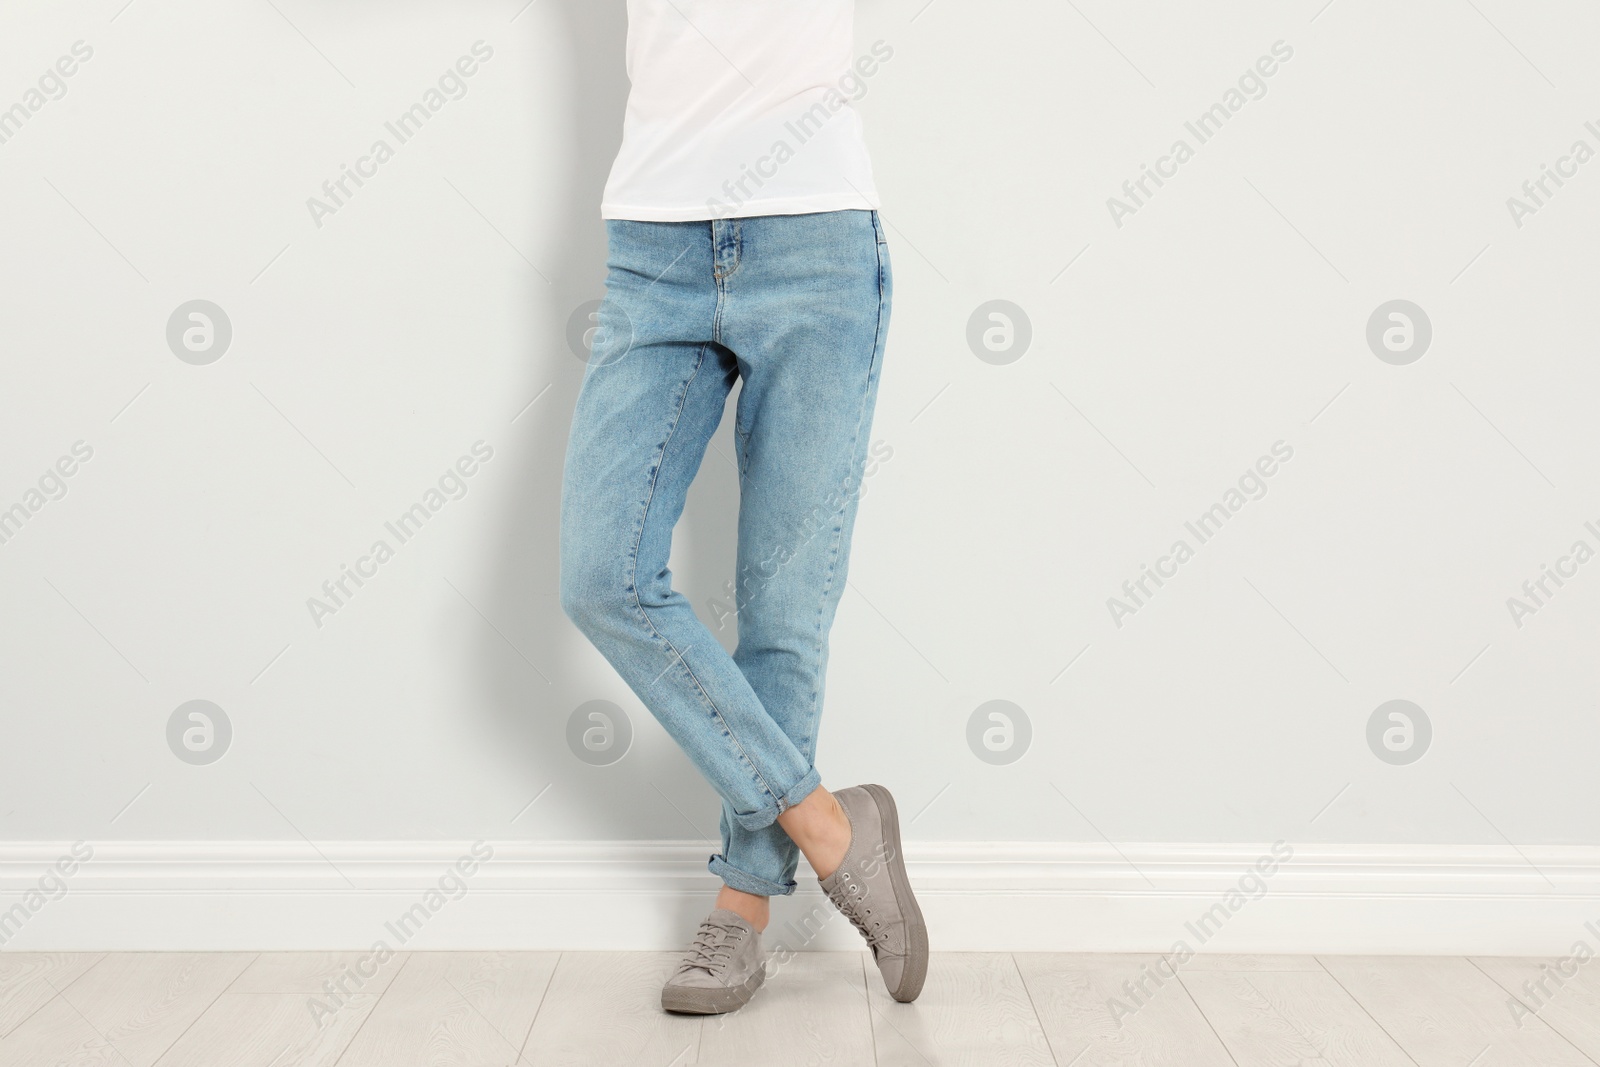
(797, 307)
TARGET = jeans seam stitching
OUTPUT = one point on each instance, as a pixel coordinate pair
(833, 561)
(633, 580)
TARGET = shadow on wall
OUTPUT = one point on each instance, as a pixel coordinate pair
(530, 712)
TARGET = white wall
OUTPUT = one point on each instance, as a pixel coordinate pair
(1168, 353)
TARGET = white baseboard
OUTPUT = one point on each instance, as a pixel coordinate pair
(977, 896)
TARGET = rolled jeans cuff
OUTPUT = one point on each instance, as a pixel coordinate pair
(765, 817)
(746, 882)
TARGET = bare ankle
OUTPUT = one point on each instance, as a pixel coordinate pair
(822, 830)
(753, 909)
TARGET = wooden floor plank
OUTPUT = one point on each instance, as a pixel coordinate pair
(813, 1006)
(1219, 961)
(306, 972)
(268, 1030)
(605, 1007)
(129, 1007)
(1568, 1005)
(1101, 1011)
(1285, 1017)
(1446, 1013)
(454, 1007)
(58, 1036)
(29, 981)
(974, 1011)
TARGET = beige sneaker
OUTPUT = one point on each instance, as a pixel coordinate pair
(722, 969)
(870, 889)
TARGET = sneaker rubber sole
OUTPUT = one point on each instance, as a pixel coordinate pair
(916, 969)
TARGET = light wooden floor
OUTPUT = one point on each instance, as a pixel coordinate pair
(597, 1008)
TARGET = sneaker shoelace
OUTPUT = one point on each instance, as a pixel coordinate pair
(848, 897)
(712, 949)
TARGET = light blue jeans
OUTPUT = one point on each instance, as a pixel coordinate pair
(797, 307)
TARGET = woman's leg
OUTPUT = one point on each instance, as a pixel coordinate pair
(652, 396)
(806, 313)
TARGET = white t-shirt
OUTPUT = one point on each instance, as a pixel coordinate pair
(741, 108)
